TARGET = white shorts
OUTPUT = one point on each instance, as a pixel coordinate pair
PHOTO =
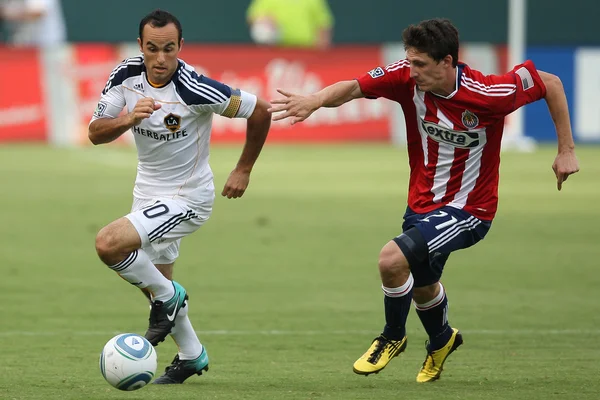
(161, 223)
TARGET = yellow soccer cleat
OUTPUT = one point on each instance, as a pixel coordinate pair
(380, 353)
(434, 363)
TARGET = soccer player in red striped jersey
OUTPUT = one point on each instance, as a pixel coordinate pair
(454, 121)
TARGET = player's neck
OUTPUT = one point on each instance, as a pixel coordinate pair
(159, 83)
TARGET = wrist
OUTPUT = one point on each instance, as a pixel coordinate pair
(317, 101)
(244, 168)
(566, 148)
(131, 121)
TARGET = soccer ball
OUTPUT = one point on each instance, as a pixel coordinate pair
(128, 361)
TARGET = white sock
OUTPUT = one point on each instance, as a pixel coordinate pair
(185, 337)
(138, 270)
(433, 302)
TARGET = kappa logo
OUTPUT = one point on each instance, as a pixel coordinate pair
(100, 108)
(139, 86)
(376, 72)
(460, 139)
(173, 122)
(469, 119)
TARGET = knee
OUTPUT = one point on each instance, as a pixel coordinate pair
(426, 293)
(116, 241)
(392, 262)
(107, 245)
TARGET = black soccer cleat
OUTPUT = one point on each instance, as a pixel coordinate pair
(180, 370)
(163, 314)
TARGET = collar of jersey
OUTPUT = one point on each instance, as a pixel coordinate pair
(173, 77)
(459, 72)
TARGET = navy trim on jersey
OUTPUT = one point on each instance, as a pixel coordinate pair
(130, 67)
(197, 89)
(461, 68)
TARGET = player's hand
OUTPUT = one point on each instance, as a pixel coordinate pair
(293, 106)
(236, 184)
(143, 109)
(565, 164)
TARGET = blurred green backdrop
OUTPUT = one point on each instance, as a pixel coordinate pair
(356, 21)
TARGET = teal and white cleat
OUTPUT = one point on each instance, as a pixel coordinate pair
(180, 370)
(163, 314)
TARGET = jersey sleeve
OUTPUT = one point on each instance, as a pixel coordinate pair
(110, 105)
(526, 87)
(387, 82)
(112, 100)
(203, 94)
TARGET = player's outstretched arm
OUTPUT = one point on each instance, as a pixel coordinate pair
(566, 162)
(298, 108)
(256, 133)
(105, 130)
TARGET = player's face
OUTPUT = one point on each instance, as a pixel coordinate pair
(430, 75)
(161, 49)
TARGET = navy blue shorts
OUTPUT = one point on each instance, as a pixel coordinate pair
(442, 231)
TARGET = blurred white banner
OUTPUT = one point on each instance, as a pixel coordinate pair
(587, 94)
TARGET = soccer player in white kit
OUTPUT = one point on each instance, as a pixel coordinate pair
(169, 109)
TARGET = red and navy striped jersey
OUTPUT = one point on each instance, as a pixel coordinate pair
(454, 141)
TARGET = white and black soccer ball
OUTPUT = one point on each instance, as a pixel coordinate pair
(128, 361)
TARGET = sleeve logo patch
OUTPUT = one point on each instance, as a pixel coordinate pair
(376, 73)
(526, 78)
(100, 108)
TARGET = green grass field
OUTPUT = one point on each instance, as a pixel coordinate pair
(284, 286)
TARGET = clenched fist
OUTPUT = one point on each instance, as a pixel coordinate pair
(143, 109)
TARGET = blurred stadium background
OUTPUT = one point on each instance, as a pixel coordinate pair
(66, 81)
(283, 283)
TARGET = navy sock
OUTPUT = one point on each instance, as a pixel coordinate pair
(397, 306)
(434, 317)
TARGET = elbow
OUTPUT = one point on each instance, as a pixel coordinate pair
(93, 135)
(93, 138)
(553, 83)
(261, 113)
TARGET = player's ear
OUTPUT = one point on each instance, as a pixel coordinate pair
(140, 44)
(448, 60)
(180, 43)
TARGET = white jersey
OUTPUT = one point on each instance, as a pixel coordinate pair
(173, 143)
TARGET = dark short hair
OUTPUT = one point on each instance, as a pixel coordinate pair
(159, 18)
(436, 37)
